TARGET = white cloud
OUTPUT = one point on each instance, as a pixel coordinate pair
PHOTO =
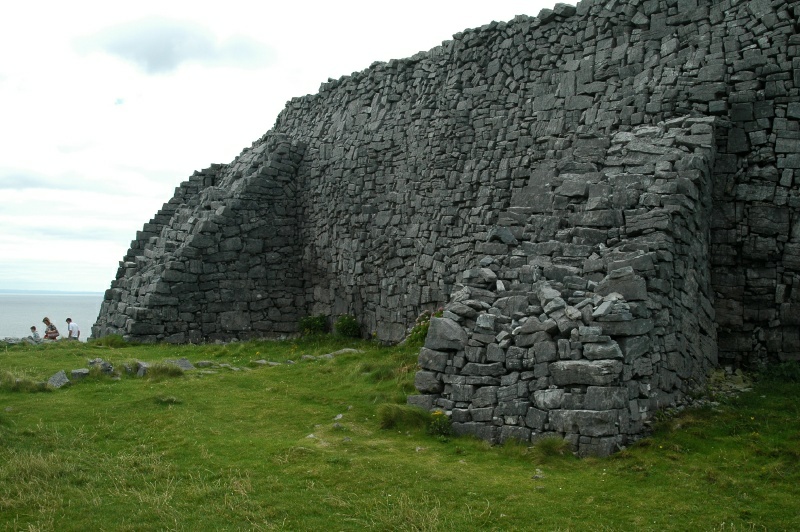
(159, 45)
(95, 139)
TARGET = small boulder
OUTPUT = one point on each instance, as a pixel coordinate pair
(58, 380)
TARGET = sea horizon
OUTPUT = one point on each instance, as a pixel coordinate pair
(20, 291)
(21, 309)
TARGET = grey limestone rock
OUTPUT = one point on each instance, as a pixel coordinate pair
(624, 282)
(445, 334)
(427, 382)
(598, 372)
(605, 398)
(605, 350)
(433, 360)
(549, 399)
(141, 368)
(422, 401)
(58, 380)
(78, 374)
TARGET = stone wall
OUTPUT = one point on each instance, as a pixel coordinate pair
(648, 144)
(564, 334)
(220, 260)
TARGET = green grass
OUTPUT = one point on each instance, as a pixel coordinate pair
(243, 446)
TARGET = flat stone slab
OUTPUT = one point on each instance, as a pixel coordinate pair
(598, 372)
(78, 374)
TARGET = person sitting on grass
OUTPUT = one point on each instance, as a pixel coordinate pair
(74, 331)
(50, 333)
(34, 338)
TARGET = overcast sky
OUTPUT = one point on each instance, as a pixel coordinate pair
(105, 107)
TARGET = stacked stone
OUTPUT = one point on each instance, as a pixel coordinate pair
(594, 310)
(524, 141)
(220, 266)
(755, 227)
(525, 365)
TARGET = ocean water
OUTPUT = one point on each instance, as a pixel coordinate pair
(21, 310)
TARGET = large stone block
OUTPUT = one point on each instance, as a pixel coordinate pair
(576, 372)
(545, 351)
(624, 282)
(445, 334)
(605, 398)
(428, 382)
(604, 350)
(462, 392)
(485, 396)
(634, 346)
(536, 419)
(548, 399)
(493, 369)
(433, 360)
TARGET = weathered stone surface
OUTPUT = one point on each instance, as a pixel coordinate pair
(58, 380)
(534, 325)
(548, 399)
(634, 347)
(433, 360)
(605, 398)
(597, 351)
(427, 382)
(599, 446)
(585, 422)
(545, 351)
(485, 396)
(462, 392)
(598, 373)
(535, 419)
(493, 369)
(624, 282)
(445, 334)
(235, 321)
(141, 368)
(479, 277)
(78, 374)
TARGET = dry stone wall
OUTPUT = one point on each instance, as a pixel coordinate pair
(639, 158)
(220, 260)
(565, 335)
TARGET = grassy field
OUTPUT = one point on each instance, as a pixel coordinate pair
(245, 446)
